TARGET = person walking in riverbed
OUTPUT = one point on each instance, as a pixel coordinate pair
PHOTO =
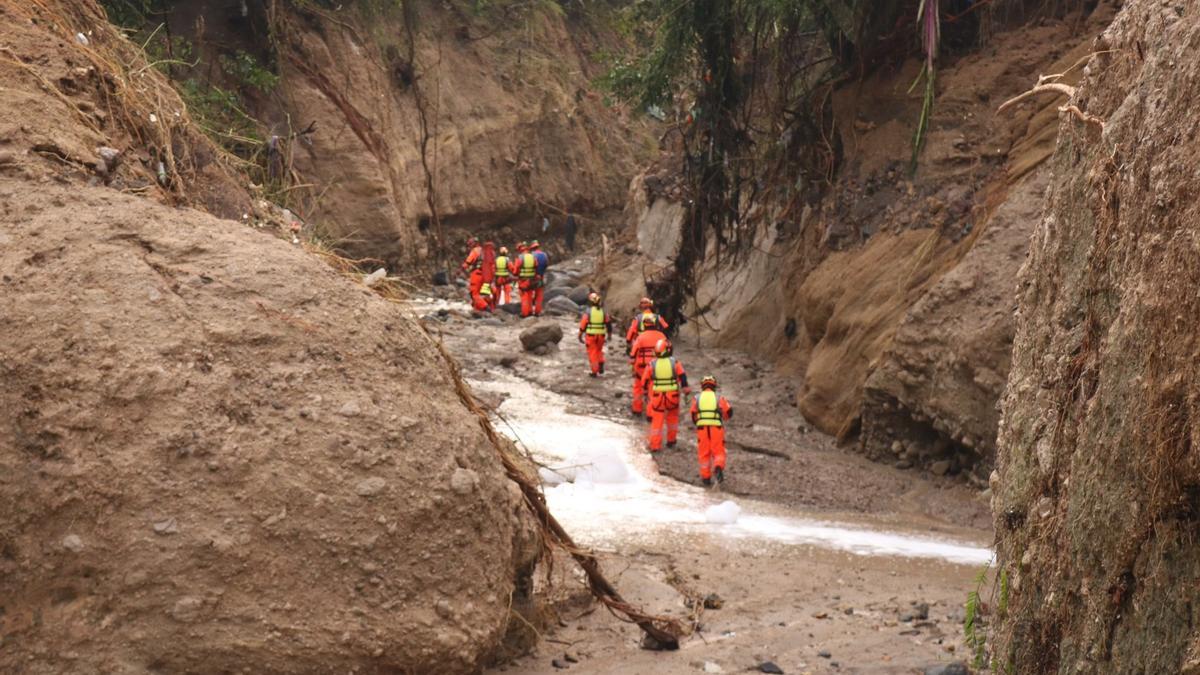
(527, 278)
(641, 354)
(596, 327)
(645, 308)
(665, 378)
(502, 289)
(543, 263)
(709, 413)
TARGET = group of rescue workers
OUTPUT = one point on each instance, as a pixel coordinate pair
(490, 275)
(660, 383)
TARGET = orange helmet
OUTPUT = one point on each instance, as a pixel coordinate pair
(649, 321)
(594, 298)
(662, 347)
(709, 382)
(646, 303)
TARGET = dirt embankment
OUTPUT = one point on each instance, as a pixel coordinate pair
(1096, 492)
(890, 297)
(495, 105)
(216, 453)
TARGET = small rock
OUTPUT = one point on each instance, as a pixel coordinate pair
(507, 361)
(7, 157)
(713, 601)
(579, 294)
(848, 611)
(824, 653)
(956, 668)
(511, 307)
(906, 617)
(443, 609)
(350, 409)
(571, 657)
(820, 615)
(710, 667)
(940, 467)
(541, 334)
(903, 464)
(73, 543)
(770, 667)
(464, 481)
(369, 487)
(187, 609)
(165, 527)
(558, 664)
(921, 610)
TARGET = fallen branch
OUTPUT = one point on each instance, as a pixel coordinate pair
(663, 631)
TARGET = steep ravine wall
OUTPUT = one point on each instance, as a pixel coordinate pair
(890, 298)
(1097, 494)
(515, 127)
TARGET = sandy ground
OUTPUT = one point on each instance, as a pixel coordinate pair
(804, 608)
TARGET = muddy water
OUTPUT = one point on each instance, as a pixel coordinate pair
(607, 492)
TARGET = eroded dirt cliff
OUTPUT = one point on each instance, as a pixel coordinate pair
(890, 297)
(1096, 492)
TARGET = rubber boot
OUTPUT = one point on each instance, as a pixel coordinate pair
(720, 474)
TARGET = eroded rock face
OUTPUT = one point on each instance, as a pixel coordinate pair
(934, 395)
(515, 126)
(1096, 492)
(218, 454)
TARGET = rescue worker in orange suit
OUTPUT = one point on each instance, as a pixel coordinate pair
(646, 306)
(709, 412)
(483, 278)
(594, 328)
(472, 267)
(527, 279)
(543, 262)
(502, 288)
(665, 378)
(641, 353)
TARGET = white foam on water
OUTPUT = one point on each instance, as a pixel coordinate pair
(607, 491)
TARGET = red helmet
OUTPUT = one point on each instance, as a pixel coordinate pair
(522, 247)
(662, 347)
(646, 303)
(594, 298)
(709, 382)
(471, 241)
(534, 245)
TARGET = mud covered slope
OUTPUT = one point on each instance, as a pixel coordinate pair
(218, 453)
(1096, 500)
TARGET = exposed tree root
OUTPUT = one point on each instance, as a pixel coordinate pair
(665, 632)
(1048, 84)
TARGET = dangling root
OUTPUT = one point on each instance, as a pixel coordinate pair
(664, 631)
(1047, 85)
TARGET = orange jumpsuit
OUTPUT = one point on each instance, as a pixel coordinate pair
(529, 283)
(502, 290)
(595, 326)
(479, 301)
(641, 352)
(475, 280)
(709, 412)
(664, 377)
(635, 327)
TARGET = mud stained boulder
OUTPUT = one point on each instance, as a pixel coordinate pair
(542, 334)
(563, 306)
(217, 455)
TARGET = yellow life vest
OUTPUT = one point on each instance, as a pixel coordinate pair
(664, 375)
(596, 324)
(485, 289)
(708, 408)
(528, 266)
(641, 321)
(501, 268)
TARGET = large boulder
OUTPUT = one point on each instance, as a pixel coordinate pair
(562, 306)
(541, 334)
(218, 454)
(579, 294)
